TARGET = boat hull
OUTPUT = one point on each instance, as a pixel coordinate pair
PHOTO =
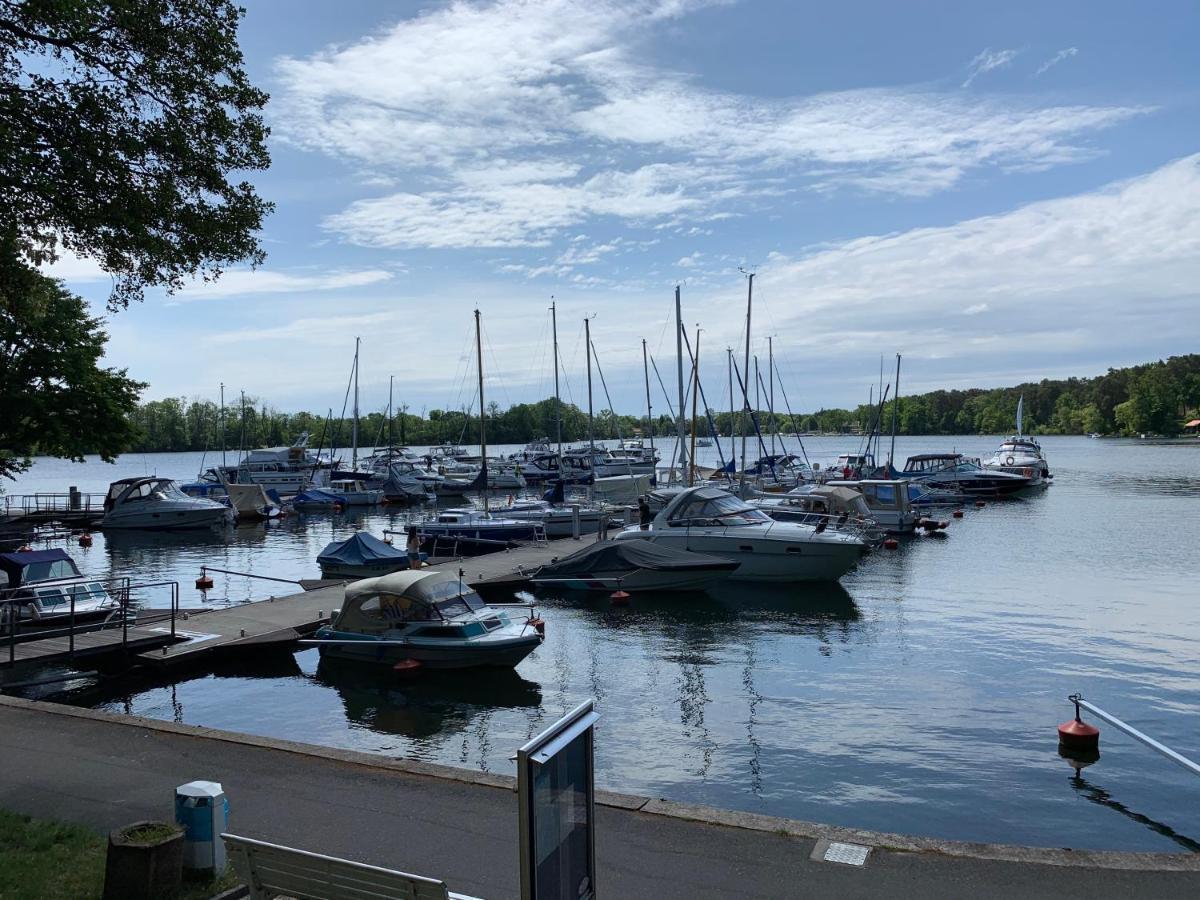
(642, 580)
(768, 561)
(507, 655)
(168, 520)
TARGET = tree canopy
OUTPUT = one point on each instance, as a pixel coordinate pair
(56, 399)
(121, 124)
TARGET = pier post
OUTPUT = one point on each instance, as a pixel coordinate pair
(575, 521)
(76, 500)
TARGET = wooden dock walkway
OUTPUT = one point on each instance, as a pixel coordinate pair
(277, 621)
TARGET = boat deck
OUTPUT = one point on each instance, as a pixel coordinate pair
(509, 569)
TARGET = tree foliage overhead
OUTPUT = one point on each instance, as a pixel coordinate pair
(121, 124)
(56, 399)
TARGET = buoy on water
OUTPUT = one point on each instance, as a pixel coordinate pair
(979, 504)
(85, 540)
(958, 514)
(619, 598)
(1076, 735)
(204, 582)
(891, 544)
(407, 667)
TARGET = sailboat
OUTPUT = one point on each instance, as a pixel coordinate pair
(1019, 454)
(479, 524)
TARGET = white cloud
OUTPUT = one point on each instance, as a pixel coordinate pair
(1096, 269)
(507, 123)
(242, 282)
(1053, 61)
(986, 61)
(689, 261)
(74, 269)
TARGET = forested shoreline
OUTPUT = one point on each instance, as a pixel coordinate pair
(1151, 398)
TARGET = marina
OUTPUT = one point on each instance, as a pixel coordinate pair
(799, 701)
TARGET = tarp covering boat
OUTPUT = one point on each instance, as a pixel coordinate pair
(250, 501)
(611, 556)
(360, 550)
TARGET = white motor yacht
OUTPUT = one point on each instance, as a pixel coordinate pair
(712, 521)
(158, 503)
(286, 469)
(1021, 455)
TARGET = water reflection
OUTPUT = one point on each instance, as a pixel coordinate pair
(434, 704)
(1102, 797)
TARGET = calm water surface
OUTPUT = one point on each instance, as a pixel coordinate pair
(920, 695)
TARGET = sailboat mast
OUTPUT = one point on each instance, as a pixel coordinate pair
(732, 413)
(771, 393)
(895, 414)
(679, 429)
(587, 339)
(695, 391)
(557, 401)
(391, 418)
(222, 429)
(482, 416)
(649, 413)
(746, 371)
(354, 425)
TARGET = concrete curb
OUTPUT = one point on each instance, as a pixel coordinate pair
(707, 815)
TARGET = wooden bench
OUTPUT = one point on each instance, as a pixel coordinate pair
(271, 871)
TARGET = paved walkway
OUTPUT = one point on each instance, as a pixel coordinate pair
(106, 770)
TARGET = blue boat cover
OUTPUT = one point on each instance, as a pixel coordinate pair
(360, 549)
(555, 494)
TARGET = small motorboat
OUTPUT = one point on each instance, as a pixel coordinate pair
(554, 514)
(634, 566)
(43, 583)
(956, 472)
(158, 503)
(431, 618)
(250, 502)
(361, 556)
(841, 507)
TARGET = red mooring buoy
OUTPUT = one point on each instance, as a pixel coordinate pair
(619, 598)
(958, 514)
(539, 626)
(891, 544)
(979, 504)
(85, 540)
(1077, 735)
(407, 667)
(204, 582)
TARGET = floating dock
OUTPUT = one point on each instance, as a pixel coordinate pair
(198, 634)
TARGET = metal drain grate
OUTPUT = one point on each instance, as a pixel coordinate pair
(847, 854)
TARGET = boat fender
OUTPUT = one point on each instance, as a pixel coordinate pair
(539, 626)
(891, 544)
(1008, 460)
(407, 667)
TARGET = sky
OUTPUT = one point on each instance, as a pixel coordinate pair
(1000, 192)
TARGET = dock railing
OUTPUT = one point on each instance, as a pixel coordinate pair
(16, 631)
(71, 502)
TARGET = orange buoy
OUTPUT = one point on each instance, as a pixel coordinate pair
(387, 540)
(539, 626)
(979, 504)
(891, 544)
(958, 514)
(407, 667)
(24, 548)
(85, 540)
(619, 598)
(204, 582)
(1078, 736)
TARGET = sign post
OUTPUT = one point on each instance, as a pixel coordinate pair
(556, 795)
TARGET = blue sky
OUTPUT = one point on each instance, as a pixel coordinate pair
(1001, 193)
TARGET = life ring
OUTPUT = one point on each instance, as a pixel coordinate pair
(1008, 460)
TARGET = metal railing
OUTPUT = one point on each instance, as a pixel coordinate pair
(17, 631)
(74, 501)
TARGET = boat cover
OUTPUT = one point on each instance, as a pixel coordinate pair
(360, 549)
(14, 564)
(610, 556)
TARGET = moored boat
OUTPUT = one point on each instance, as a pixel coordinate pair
(158, 503)
(634, 566)
(428, 617)
(361, 556)
(41, 585)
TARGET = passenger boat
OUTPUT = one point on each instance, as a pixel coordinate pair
(361, 556)
(43, 583)
(634, 566)
(429, 617)
(956, 472)
(158, 503)
(709, 520)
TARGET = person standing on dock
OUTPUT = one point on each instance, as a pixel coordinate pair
(644, 516)
(414, 548)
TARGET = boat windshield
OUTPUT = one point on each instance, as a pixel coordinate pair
(704, 509)
(50, 570)
(450, 599)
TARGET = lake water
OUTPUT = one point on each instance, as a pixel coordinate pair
(920, 695)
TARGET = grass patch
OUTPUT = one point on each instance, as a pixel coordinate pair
(57, 861)
(152, 833)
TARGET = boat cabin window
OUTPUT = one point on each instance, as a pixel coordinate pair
(50, 571)
(885, 494)
(449, 517)
(702, 510)
(395, 608)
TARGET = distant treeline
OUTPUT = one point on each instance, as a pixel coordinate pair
(1152, 398)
